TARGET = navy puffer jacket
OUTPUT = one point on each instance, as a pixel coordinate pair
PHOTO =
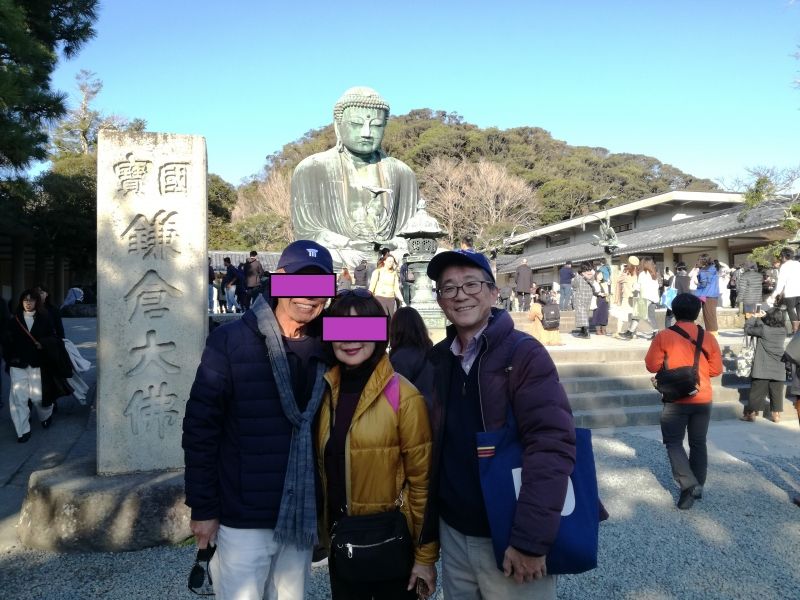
(544, 423)
(235, 435)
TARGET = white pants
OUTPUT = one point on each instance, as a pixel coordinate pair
(250, 565)
(26, 384)
(469, 571)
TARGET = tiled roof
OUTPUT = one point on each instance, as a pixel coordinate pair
(711, 226)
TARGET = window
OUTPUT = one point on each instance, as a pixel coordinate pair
(623, 227)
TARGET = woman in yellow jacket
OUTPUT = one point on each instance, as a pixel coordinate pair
(376, 453)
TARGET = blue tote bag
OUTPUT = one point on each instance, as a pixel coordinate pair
(500, 465)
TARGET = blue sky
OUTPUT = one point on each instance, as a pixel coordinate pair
(706, 86)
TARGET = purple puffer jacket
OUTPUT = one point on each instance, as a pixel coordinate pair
(544, 420)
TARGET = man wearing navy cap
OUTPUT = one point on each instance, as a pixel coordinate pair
(474, 388)
(247, 441)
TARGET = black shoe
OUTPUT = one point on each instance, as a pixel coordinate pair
(697, 492)
(46, 422)
(686, 501)
(24, 438)
(627, 335)
(582, 334)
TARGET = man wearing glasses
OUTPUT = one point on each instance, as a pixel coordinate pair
(247, 442)
(474, 388)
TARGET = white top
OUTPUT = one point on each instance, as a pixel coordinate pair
(648, 287)
(788, 280)
(28, 316)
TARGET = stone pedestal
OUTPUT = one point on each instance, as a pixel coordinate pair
(70, 508)
(152, 295)
(423, 299)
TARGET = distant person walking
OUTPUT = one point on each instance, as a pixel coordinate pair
(646, 300)
(523, 277)
(385, 284)
(344, 281)
(565, 275)
(750, 289)
(768, 377)
(229, 282)
(670, 349)
(28, 332)
(582, 292)
(788, 287)
(599, 318)
(708, 291)
(254, 271)
(682, 284)
(211, 277)
(361, 274)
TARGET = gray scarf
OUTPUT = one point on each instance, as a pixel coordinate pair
(297, 517)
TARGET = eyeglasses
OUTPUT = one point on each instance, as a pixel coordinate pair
(197, 576)
(360, 292)
(471, 288)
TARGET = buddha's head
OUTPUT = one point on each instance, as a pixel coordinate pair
(359, 120)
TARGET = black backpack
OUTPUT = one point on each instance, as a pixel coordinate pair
(551, 316)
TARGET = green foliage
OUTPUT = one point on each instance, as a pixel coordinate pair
(63, 213)
(263, 230)
(31, 34)
(222, 235)
(765, 256)
(221, 197)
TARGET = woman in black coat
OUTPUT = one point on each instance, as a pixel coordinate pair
(768, 377)
(51, 310)
(28, 332)
(410, 344)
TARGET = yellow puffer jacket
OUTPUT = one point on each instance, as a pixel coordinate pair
(387, 453)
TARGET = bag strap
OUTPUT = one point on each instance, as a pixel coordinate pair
(28, 333)
(698, 344)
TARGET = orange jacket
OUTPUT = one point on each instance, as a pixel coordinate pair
(680, 353)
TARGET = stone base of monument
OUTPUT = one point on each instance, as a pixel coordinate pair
(72, 509)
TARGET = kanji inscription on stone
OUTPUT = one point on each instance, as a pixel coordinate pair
(172, 178)
(152, 408)
(131, 173)
(151, 294)
(154, 237)
(152, 353)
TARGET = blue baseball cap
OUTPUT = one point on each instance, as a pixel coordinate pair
(305, 253)
(469, 258)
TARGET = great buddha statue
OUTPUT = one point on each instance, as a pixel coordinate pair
(353, 197)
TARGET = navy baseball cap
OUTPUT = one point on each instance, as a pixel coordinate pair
(305, 253)
(469, 258)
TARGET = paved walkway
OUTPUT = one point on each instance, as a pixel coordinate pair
(740, 541)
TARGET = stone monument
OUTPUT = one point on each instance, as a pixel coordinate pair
(151, 290)
(353, 198)
(122, 489)
(422, 231)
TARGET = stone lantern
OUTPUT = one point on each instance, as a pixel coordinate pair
(422, 231)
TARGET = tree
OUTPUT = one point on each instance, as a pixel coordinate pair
(481, 199)
(270, 200)
(62, 212)
(32, 33)
(221, 197)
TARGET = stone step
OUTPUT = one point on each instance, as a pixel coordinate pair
(644, 415)
(634, 398)
(623, 381)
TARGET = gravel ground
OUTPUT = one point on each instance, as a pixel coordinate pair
(739, 541)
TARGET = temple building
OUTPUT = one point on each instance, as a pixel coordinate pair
(671, 227)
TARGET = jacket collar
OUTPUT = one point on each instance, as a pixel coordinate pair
(372, 390)
(500, 325)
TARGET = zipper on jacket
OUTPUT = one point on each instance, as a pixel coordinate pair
(480, 396)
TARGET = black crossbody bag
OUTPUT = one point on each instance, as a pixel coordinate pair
(674, 384)
(369, 548)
